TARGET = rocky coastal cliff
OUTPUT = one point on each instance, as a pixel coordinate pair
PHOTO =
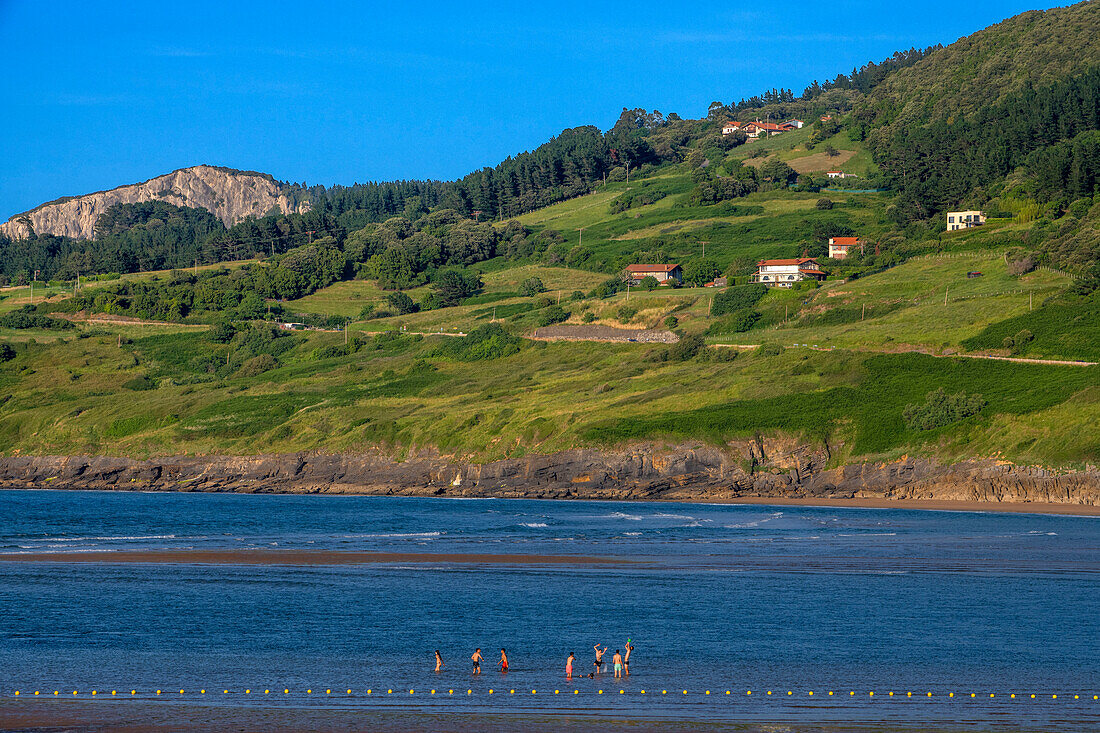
(229, 194)
(651, 472)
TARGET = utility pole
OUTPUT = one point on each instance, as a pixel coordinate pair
(945, 292)
(311, 232)
(864, 316)
(345, 332)
(628, 171)
(1029, 300)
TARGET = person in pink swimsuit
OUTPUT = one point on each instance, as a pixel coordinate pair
(569, 665)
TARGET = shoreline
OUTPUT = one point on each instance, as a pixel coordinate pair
(682, 497)
(928, 505)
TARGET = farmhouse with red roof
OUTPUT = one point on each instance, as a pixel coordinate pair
(665, 274)
(840, 246)
(785, 273)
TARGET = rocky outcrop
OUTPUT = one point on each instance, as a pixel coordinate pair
(749, 469)
(229, 194)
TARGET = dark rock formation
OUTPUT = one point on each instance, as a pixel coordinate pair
(750, 469)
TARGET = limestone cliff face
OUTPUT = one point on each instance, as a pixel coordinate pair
(228, 194)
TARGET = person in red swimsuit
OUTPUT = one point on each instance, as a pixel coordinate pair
(503, 661)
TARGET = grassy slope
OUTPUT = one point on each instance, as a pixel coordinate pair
(65, 398)
(905, 305)
(66, 395)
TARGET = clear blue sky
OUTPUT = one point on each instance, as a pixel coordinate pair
(99, 94)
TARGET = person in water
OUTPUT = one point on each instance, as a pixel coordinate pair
(438, 661)
(618, 660)
(599, 658)
(503, 660)
(626, 657)
(476, 658)
(569, 665)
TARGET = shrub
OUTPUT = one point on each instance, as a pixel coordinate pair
(490, 341)
(626, 313)
(7, 353)
(941, 409)
(401, 303)
(736, 322)
(366, 312)
(737, 298)
(1018, 344)
(648, 283)
(770, 350)
(222, 332)
(588, 317)
(1016, 268)
(257, 365)
(451, 286)
(27, 317)
(824, 204)
(139, 383)
(672, 322)
(551, 315)
(686, 348)
(531, 286)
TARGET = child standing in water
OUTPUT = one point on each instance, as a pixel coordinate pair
(503, 661)
(626, 657)
(618, 660)
(569, 666)
(438, 661)
(477, 661)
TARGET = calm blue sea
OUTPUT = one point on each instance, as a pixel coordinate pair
(721, 598)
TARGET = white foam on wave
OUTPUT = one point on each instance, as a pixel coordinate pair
(632, 534)
(394, 535)
(870, 534)
(757, 523)
(533, 525)
(88, 539)
(621, 515)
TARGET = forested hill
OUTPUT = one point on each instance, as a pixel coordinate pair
(1002, 119)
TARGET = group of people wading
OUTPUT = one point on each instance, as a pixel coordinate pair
(619, 660)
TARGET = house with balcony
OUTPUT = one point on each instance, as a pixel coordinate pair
(785, 273)
(964, 220)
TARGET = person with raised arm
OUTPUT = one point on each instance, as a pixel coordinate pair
(599, 658)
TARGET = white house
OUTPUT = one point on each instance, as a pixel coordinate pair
(730, 127)
(964, 220)
(785, 273)
(839, 246)
(796, 124)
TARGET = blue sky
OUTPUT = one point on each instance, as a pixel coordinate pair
(101, 94)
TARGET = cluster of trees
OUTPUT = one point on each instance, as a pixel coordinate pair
(734, 180)
(1049, 131)
(940, 409)
(239, 293)
(151, 235)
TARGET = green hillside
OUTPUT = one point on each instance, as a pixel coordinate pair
(426, 305)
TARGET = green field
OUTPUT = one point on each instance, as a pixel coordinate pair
(927, 302)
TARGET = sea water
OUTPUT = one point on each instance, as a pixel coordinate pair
(715, 597)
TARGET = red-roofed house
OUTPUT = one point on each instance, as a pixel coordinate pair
(839, 246)
(785, 273)
(730, 127)
(664, 273)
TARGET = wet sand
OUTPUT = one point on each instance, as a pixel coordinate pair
(143, 717)
(1011, 507)
(304, 557)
